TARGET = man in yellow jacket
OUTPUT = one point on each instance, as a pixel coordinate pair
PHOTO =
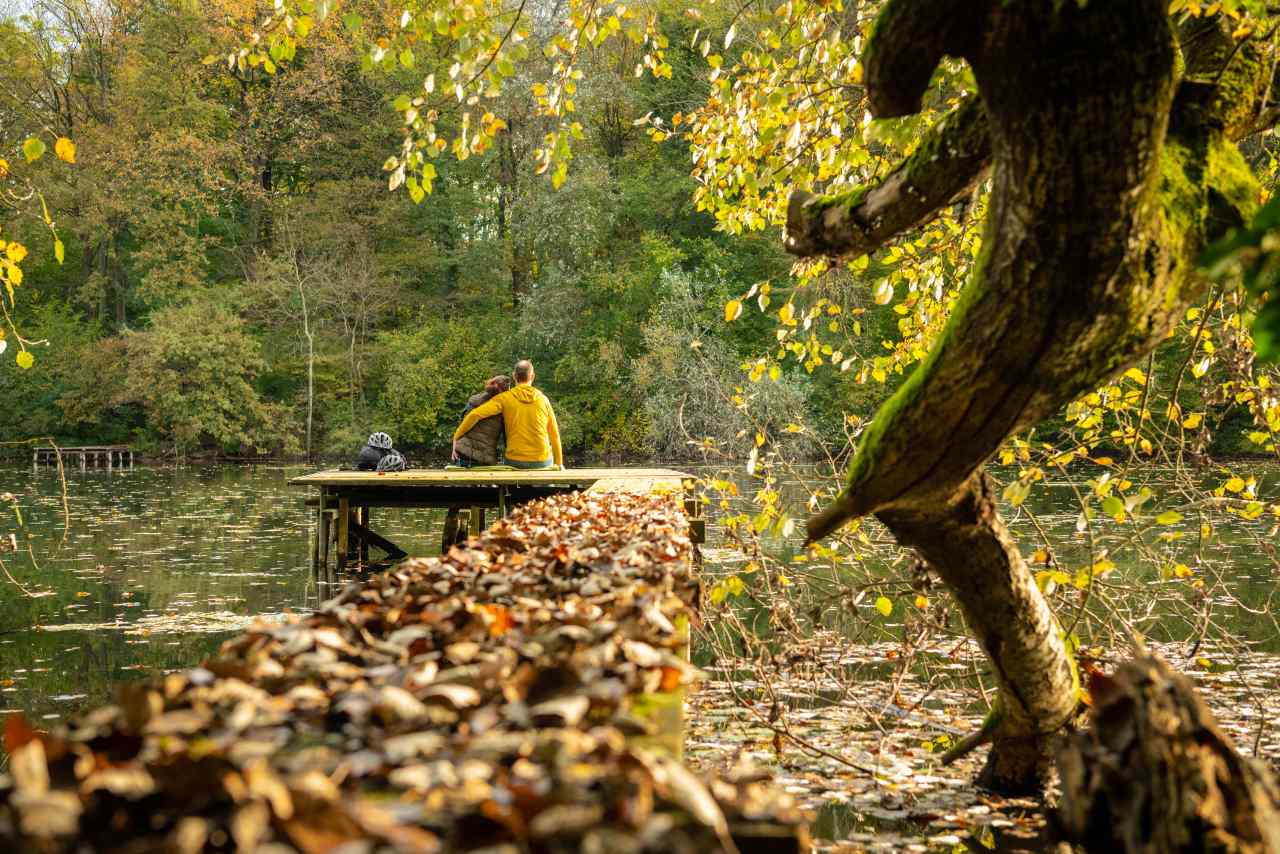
(533, 437)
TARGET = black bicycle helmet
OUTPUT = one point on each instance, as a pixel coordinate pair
(393, 461)
(380, 440)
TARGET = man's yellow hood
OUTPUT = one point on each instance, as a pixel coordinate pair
(525, 394)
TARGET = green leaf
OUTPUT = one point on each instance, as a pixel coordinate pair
(884, 605)
(1169, 517)
(33, 149)
(407, 58)
(402, 103)
(1016, 492)
(1113, 507)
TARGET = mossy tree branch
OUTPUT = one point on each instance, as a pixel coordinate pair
(1104, 189)
(947, 164)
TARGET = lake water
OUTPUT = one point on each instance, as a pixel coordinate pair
(156, 566)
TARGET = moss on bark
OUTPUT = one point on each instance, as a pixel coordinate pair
(1105, 188)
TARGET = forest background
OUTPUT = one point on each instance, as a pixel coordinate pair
(237, 279)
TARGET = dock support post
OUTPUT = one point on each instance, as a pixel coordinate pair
(364, 543)
(450, 535)
(344, 532)
(315, 543)
(325, 536)
(475, 524)
(35, 459)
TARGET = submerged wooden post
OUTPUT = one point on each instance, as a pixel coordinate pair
(364, 542)
(315, 542)
(344, 532)
(324, 534)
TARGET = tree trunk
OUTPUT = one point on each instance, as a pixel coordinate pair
(1155, 775)
(508, 187)
(311, 389)
(1099, 205)
(311, 360)
(965, 541)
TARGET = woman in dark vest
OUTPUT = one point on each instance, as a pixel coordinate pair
(479, 447)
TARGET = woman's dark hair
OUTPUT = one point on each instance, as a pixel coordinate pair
(497, 385)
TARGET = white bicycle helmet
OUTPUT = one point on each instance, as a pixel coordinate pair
(381, 441)
(393, 461)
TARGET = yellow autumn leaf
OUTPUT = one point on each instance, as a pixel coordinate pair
(4, 167)
(15, 252)
(922, 602)
(25, 360)
(884, 605)
(883, 292)
(65, 149)
(1193, 420)
(732, 310)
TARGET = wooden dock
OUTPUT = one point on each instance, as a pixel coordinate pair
(96, 456)
(346, 498)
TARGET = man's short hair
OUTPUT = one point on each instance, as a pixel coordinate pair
(523, 371)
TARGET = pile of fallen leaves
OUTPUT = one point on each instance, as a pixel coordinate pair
(481, 700)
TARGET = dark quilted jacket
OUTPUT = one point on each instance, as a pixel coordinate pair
(369, 458)
(480, 444)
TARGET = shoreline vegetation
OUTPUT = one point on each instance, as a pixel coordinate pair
(440, 458)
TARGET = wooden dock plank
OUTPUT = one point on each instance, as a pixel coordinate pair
(466, 477)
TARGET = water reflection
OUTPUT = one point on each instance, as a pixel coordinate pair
(158, 566)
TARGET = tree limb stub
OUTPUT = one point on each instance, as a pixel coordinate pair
(946, 165)
(1155, 773)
